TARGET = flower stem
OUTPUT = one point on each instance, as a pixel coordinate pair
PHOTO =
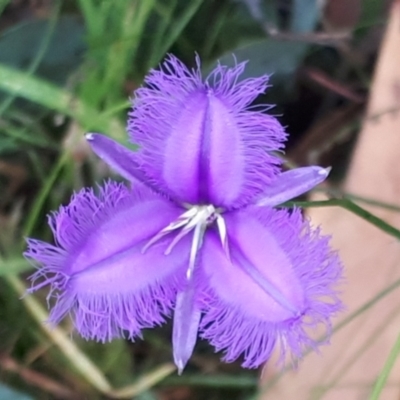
(383, 376)
(352, 207)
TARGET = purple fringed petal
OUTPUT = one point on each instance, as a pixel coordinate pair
(280, 284)
(291, 184)
(98, 271)
(201, 141)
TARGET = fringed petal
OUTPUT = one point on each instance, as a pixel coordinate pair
(279, 284)
(98, 272)
(291, 184)
(201, 141)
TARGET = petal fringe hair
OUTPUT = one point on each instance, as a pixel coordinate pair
(158, 105)
(318, 269)
(96, 316)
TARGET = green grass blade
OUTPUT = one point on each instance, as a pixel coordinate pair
(339, 194)
(383, 376)
(25, 135)
(352, 207)
(145, 382)
(42, 196)
(365, 346)
(176, 29)
(48, 95)
(216, 380)
(13, 266)
(93, 18)
(359, 311)
(3, 5)
(39, 55)
(77, 358)
(166, 15)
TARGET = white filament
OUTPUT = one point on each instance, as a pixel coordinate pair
(197, 219)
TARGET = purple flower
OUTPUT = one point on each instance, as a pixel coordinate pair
(197, 235)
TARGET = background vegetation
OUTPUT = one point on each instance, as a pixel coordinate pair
(68, 67)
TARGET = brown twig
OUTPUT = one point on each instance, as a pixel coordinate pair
(333, 85)
(321, 38)
(36, 379)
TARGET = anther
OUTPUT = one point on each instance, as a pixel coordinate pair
(196, 218)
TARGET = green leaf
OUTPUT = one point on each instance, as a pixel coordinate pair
(8, 144)
(3, 4)
(268, 57)
(20, 45)
(281, 58)
(372, 12)
(48, 95)
(171, 30)
(13, 266)
(114, 360)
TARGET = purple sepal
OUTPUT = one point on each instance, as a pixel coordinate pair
(291, 184)
(186, 325)
(118, 157)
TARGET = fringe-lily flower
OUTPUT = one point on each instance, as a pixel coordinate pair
(197, 233)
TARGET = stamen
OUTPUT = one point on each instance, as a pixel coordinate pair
(223, 234)
(196, 244)
(197, 218)
(182, 220)
(185, 230)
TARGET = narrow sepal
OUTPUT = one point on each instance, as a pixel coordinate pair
(186, 325)
(119, 158)
(291, 184)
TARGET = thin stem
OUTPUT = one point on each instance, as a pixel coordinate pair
(42, 196)
(338, 194)
(366, 306)
(77, 358)
(372, 338)
(383, 376)
(352, 207)
(215, 380)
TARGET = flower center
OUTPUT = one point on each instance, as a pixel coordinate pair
(197, 218)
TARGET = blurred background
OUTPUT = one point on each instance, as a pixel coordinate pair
(69, 67)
